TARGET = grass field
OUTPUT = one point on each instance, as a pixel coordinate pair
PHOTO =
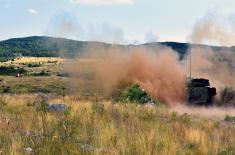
(105, 128)
(20, 60)
(92, 125)
(46, 75)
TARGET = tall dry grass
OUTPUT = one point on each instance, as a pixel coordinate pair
(106, 128)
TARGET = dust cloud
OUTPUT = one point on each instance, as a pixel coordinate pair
(209, 30)
(214, 63)
(158, 72)
(215, 113)
(217, 66)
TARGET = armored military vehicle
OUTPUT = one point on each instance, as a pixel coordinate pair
(200, 92)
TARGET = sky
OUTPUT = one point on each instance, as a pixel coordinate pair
(115, 21)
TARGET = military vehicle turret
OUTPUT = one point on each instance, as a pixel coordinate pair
(200, 92)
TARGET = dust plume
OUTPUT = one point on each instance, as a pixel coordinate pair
(209, 30)
(159, 73)
(215, 63)
(214, 113)
(217, 66)
(65, 24)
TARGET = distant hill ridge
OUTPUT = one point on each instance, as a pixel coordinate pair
(43, 46)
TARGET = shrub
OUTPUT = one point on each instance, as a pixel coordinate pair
(42, 73)
(64, 75)
(5, 59)
(34, 65)
(134, 94)
(185, 118)
(11, 70)
(227, 97)
(6, 89)
(229, 118)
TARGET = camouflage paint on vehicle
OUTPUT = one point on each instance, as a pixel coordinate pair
(200, 92)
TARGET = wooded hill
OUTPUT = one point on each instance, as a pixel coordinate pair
(43, 46)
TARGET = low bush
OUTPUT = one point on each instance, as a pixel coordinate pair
(227, 97)
(5, 59)
(64, 75)
(42, 73)
(134, 94)
(34, 65)
(229, 118)
(4, 70)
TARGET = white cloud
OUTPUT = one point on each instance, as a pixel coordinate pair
(67, 25)
(102, 2)
(150, 37)
(32, 11)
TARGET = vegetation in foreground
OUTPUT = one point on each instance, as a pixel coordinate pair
(106, 128)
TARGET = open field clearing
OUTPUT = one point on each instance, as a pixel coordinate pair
(45, 75)
(34, 60)
(48, 75)
(103, 128)
(44, 84)
(22, 60)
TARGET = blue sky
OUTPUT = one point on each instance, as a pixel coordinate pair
(109, 20)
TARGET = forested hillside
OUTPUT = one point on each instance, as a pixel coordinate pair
(42, 46)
